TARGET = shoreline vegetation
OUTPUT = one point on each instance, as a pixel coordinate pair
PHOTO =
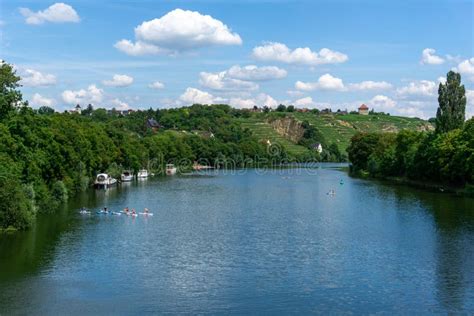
(442, 160)
(47, 157)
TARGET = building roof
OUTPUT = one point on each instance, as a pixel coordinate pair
(153, 123)
(363, 107)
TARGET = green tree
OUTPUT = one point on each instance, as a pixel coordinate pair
(10, 97)
(452, 104)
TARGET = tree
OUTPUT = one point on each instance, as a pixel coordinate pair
(45, 110)
(10, 97)
(452, 104)
(281, 108)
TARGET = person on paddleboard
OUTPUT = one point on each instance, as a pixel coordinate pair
(145, 210)
(133, 211)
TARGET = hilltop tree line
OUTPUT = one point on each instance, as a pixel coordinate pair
(445, 155)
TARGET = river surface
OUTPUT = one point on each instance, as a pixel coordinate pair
(253, 242)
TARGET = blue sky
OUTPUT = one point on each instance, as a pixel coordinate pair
(390, 55)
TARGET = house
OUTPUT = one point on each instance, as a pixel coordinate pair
(77, 109)
(363, 110)
(318, 147)
(341, 112)
(325, 111)
(152, 124)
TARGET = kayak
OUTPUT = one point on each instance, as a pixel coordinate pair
(116, 213)
(134, 215)
(104, 212)
(146, 214)
(85, 212)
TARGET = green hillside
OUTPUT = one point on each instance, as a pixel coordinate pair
(264, 131)
(336, 128)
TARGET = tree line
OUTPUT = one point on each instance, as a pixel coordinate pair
(443, 156)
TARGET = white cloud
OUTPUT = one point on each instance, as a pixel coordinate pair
(120, 105)
(260, 100)
(442, 80)
(92, 95)
(33, 78)
(38, 100)
(178, 30)
(273, 51)
(138, 48)
(382, 103)
(304, 102)
(466, 67)
(156, 85)
(119, 81)
(222, 81)
(193, 95)
(370, 85)
(254, 73)
(56, 13)
(421, 88)
(325, 82)
(329, 82)
(470, 104)
(428, 56)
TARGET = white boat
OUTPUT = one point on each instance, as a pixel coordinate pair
(104, 181)
(170, 169)
(142, 173)
(127, 176)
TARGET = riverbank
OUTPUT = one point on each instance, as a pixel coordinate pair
(466, 190)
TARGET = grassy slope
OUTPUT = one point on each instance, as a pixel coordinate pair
(340, 128)
(336, 128)
(263, 131)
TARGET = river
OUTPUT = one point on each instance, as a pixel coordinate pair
(248, 242)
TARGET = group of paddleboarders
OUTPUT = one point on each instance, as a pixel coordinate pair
(126, 211)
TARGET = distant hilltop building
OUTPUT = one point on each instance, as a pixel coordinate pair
(152, 124)
(363, 110)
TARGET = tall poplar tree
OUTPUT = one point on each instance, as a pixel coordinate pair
(452, 104)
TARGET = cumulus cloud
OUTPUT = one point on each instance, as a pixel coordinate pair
(222, 81)
(329, 82)
(304, 102)
(420, 88)
(370, 85)
(470, 104)
(382, 103)
(38, 100)
(325, 82)
(33, 78)
(56, 13)
(260, 100)
(92, 95)
(254, 73)
(138, 48)
(193, 95)
(156, 85)
(429, 57)
(119, 81)
(120, 105)
(273, 51)
(466, 67)
(176, 31)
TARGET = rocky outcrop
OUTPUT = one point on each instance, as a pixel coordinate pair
(289, 128)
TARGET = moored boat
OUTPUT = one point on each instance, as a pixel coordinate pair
(104, 181)
(142, 173)
(127, 176)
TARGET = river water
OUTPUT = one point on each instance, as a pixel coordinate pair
(247, 242)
